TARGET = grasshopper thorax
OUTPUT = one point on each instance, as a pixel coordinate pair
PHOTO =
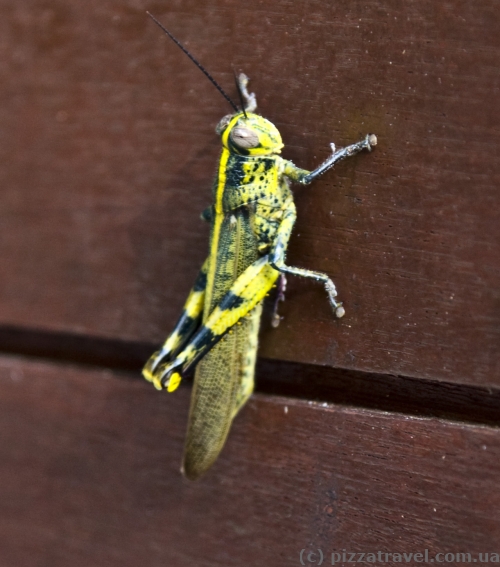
(249, 134)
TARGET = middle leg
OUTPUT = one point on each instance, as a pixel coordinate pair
(277, 259)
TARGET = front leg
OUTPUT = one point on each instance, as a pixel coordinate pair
(249, 98)
(277, 258)
(305, 177)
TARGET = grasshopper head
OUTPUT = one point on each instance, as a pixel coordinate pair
(249, 135)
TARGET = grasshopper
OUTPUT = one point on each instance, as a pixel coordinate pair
(251, 219)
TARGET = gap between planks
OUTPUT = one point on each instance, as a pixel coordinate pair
(385, 392)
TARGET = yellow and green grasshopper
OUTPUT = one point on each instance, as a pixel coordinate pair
(251, 219)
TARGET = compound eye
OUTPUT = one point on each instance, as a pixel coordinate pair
(223, 124)
(244, 138)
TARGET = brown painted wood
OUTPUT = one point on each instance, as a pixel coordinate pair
(89, 475)
(416, 397)
(108, 152)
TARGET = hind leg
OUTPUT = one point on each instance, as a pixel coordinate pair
(188, 322)
(245, 294)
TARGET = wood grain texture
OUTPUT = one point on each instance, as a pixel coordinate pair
(108, 151)
(89, 475)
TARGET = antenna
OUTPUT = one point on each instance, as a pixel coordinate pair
(199, 65)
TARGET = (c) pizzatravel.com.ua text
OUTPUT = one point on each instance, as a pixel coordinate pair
(344, 557)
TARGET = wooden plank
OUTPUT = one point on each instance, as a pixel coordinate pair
(108, 152)
(89, 475)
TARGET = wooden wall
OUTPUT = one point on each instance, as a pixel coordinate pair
(376, 432)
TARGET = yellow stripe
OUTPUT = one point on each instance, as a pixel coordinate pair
(252, 290)
(214, 243)
(221, 182)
